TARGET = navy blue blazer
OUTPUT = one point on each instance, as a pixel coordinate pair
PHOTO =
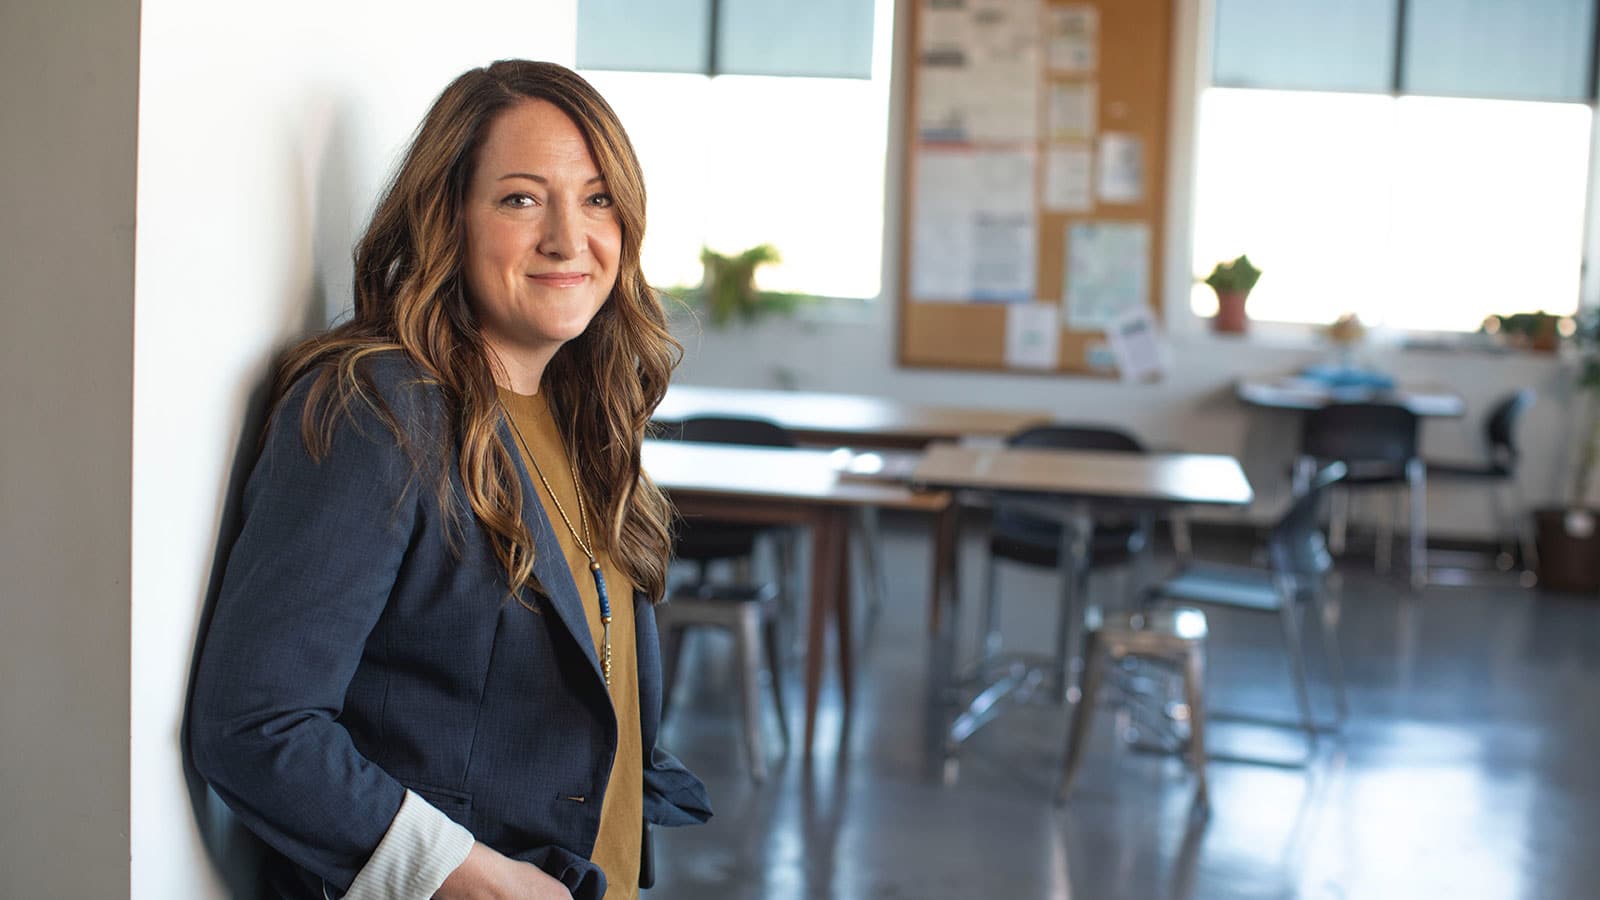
(364, 642)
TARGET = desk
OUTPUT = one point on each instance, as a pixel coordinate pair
(846, 419)
(781, 485)
(1070, 485)
(1294, 392)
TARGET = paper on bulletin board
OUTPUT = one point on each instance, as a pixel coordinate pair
(1108, 271)
(1005, 228)
(1135, 339)
(1007, 78)
(1033, 336)
(974, 231)
(1121, 168)
(1069, 179)
(1073, 111)
(942, 238)
(1073, 35)
(978, 71)
(944, 61)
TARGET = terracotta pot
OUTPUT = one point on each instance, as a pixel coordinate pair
(1569, 550)
(1231, 318)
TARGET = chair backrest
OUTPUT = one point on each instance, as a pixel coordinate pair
(1360, 432)
(735, 430)
(1500, 430)
(1296, 545)
(703, 539)
(1011, 523)
(1077, 437)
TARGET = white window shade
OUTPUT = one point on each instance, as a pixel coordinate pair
(644, 35)
(1530, 50)
(1305, 44)
(815, 38)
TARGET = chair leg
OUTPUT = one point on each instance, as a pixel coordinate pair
(870, 537)
(1338, 520)
(1525, 535)
(1182, 541)
(1383, 551)
(1305, 468)
(775, 666)
(1505, 558)
(991, 643)
(1297, 665)
(1417, 479)
(1330, 650)
(748, 638)
(1082, 714)
(1194, 677)
(1074, 591)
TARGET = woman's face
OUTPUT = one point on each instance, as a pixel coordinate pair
(542, 237)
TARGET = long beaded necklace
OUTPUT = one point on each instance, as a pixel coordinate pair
(585, 542)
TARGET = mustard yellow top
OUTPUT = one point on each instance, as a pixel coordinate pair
(617, 847)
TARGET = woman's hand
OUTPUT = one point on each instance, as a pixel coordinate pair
(487, 875)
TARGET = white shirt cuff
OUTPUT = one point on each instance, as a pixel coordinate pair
(418, 852)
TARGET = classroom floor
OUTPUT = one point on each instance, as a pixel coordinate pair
(1470, 766)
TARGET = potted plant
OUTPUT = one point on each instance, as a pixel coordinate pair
(729, 290)
(1569, 536)
(1232, 281)
(1538, 331)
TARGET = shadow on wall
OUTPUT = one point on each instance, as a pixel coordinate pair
(234, 850)
(320, 172)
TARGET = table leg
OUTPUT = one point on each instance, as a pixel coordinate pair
(824, 559)
(942, 586)
(844, 611)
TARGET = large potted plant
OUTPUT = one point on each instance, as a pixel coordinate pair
(1569, 536)
(1232, 281)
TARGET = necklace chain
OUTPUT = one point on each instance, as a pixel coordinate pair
(585, 541)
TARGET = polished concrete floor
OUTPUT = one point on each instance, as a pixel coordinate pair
(1469, 768)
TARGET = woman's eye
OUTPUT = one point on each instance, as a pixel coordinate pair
(601, 200)
(517, 201)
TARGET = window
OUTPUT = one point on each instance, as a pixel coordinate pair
(1412, 212)
(735, 161)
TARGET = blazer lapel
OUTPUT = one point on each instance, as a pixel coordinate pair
(550, 562)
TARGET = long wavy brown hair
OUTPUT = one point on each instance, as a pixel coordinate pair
(410, 296)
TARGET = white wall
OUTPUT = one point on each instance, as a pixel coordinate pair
(853, 350)
(68, 72)
(265, 132)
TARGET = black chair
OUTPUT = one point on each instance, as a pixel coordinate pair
(747, 609)
(1498, 472)
(1377, 442)
(1298, 559)
(704, 541)
(1023, 537)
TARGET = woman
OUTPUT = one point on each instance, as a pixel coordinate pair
(424, 676)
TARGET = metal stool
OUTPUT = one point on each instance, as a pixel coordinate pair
(749, 611)
(1175, 636)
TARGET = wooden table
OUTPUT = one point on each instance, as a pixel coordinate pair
(769, 485)
(1298, 393)
(847, 419)
(1070, 485)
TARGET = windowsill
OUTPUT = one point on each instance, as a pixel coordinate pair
(822, 311)
(1196, 331)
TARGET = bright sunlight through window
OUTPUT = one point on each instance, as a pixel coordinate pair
(1421, 213)
(735, 161)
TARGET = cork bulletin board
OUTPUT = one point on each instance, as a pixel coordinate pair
(1034, 181)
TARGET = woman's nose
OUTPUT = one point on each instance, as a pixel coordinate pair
(563, 233)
